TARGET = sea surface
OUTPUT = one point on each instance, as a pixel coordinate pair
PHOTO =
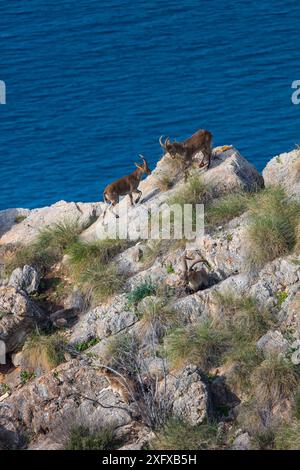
(93, 83)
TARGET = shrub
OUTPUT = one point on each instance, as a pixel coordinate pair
(81, 438)
(178, 435)
(80, 347)
(44, 351)
(48, 248)
(275, 379)
(121, 353)
(141, 291)
(273, 227)
(164, 182)
(91, 266)
(195, 191)
(200, 344)
(225, 208)
(287, 436)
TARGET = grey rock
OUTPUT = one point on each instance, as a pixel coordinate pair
(284, 170)
(242, 442)
(188, 395)
(9, 218)
(22, 314)
(273, 342)
(26, 279)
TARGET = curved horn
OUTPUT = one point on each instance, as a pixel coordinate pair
(161, 142)
(142, 157)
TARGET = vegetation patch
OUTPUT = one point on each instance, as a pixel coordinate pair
(273, 227)
(81, 347)
(179, 435)
(225, 208)
(44, 351)
(141, 291)
(81, 438)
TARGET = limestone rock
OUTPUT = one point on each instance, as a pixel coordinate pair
(284, 170)
(188, 395)
(10, 218)
(242, 442)
(273, 342)
(26, 231)
(21, 314)
(26, 279)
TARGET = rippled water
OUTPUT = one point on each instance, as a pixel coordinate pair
(91, 84)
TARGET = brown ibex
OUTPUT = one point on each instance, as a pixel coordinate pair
(199, 142)
(191, 278)
(126, 185)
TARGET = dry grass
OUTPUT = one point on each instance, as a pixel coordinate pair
(178, 435)
(273, 227)
(44, 352)
(164, 182)
(275, 379)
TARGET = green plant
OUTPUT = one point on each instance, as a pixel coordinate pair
(164, 182)
(272, 231)
(195, 191)
(48, 248)
(25, 376)
(81, 438)
(91, 266)
(20, 218)
(159, 314)
(80, 347)
(281, 296)
(170, 269)
(178, 435)
(275, 379)
(121, 353)
(226, 208)
(145, 289)
(200, 344)
(287, 436)
(44, 351)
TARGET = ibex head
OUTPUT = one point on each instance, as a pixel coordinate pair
(173, 148)
(145, 168)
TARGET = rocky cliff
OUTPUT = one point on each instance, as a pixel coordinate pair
(114, 343)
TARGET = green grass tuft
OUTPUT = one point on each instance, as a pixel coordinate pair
(178, 435)
(273, 227)
(81, 438)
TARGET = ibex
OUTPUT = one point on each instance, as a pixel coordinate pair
(199, 142)
(191, 278)
(126, 185)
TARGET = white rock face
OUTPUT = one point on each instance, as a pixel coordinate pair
(284, 170)
(27, 230)
(10, 217)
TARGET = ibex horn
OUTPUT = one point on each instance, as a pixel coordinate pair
(163, 145)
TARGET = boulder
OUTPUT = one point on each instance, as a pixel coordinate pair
(104, 321)
(272, 342)
(10, 218)
(187, 395)
(20, 315)
(49, 406)
(27, 230)
(242, 442)
(284, 171)
(26, 279)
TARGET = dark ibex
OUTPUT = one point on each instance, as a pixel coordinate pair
(199, 142)
(191, 278)
(126, 185)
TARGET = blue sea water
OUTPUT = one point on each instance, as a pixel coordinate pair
(93, 83)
